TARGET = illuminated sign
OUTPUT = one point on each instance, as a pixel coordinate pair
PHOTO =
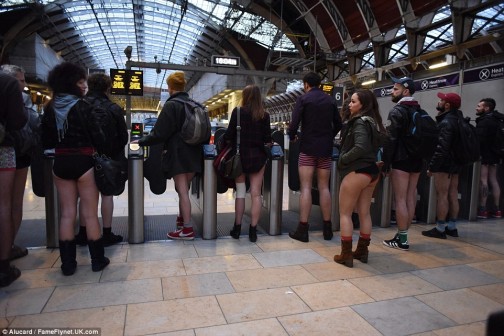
(327, 88)
(227, 61)
(136, 130)
(126, 82)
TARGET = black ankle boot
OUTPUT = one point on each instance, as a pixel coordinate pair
(253, 234)
(81, 236)
(235, 233)
(327, 230)
(301, 233)
(68, 252)
(97, 251)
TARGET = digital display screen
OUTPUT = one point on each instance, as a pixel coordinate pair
(327, 88)
(126, 82)
(227, 61)
(136, 130)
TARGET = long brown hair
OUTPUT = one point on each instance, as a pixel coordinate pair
(370, 106)
(251, 98)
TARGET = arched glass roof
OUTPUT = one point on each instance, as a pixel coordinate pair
(167, 30)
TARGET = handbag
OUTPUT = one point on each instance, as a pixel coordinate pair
(110, 175)
(228, 163)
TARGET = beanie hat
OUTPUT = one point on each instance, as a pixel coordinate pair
(176, 81)
(452, 98)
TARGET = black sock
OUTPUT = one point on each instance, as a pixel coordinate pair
(107, 231)
(4, 266)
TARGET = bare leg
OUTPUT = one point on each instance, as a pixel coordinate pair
(305, 200)
(323, 177)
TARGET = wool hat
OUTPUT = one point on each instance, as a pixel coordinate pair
(176, 81)
(452, 98)
(406, 82)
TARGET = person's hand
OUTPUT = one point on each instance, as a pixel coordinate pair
(295, 139)
(429, 173)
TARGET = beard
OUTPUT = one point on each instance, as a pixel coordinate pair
(396, 99)
(440, 108)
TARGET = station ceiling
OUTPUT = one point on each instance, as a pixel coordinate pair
(339, 39)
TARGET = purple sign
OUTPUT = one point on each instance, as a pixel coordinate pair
(484, 74)
(423, 85)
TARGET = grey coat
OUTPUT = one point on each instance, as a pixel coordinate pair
(178, 156)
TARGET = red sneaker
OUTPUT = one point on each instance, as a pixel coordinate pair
(184, 234)
(482, 214)
(496, 214)
(180, 223)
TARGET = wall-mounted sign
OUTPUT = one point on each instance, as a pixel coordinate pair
(126, 82)
(424, 84)
(484, 74)
(227, 61)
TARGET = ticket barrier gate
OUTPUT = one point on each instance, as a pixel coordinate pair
(272, 194)
(381, 202)
(468, 195)
(334, 184)
(469, 191)
(136, 187)
(203, 196)
(51, 203)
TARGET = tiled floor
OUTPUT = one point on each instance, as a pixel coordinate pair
(276, 286)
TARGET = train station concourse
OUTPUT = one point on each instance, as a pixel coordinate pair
(217, 285)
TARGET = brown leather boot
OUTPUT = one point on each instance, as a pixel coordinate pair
(361, 252)
(346, 257)
(301, 233)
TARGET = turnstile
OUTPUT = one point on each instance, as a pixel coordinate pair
(272, 193)
(203, 196)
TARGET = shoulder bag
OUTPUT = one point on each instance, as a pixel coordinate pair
(227, 164)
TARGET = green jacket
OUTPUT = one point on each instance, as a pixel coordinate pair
(357, 148)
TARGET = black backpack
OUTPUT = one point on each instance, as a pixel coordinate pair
(466, 149)
(498, 145)
(104, 119)
(196, 128)
(422, 134)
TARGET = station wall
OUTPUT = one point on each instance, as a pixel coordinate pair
(471, 84)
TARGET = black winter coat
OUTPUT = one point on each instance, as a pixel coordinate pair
(442, 159)
(486, 128)
(398, 122)
(82, 130)
(179, 157)
(253, 136)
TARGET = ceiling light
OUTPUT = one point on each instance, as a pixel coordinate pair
(369, 82)
(438, 65)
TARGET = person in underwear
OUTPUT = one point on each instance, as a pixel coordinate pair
(359, 172)
(71, 133)
(317, 113)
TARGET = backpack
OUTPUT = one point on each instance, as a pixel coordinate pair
(498, 145)
(422, 134)
(105, 121)
(196, 128)
(28, 138)
(467, 148)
